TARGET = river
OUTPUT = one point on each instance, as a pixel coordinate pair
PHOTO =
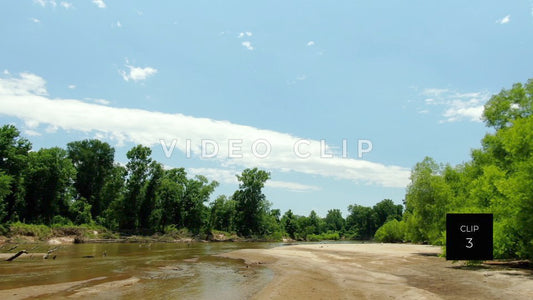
(160, 270)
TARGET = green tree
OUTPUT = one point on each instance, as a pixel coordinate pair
(14, 151)
(361, 221)
(427, 198)
(509, 105)
(93, 161)
(314, 223)
(334, 220)
(222, 214)
(289, 223)
(147, 221)
(197, 192)
(251, 202)
(5, 189)
(138, 168)
(170, 195)
(113, 197)
(386, 210)
(48, 184)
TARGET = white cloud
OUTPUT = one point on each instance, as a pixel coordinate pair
(99, 3)
(247, 45)
(458, 110)
(242, 34)
(31, 132)
(310, 43)
(44, 3)
(34, 20)
(457, 106)
(504, 20)
(228, 176)
(102, 101)
(6, 72)
(66, 5)
(51, 129)
(137, 73)
(434, 92)
(119, 24)
(291, 186)
(27, 84)
(31, 124)
(71, 86)
(26, 98)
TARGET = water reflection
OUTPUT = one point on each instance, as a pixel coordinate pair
(165, 270)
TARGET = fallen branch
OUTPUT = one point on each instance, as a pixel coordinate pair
(16, 255)
(50, 252)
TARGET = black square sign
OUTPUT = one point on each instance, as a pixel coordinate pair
(469, 236)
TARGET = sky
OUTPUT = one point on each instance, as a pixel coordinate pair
(338, 100)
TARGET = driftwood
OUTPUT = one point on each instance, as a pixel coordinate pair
(50, 252)
(12, 248)
(16, 255)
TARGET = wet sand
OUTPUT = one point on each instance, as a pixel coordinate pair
(380, 271)
(310, 271)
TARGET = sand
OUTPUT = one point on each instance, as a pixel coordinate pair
(328, 271)
(380, 271)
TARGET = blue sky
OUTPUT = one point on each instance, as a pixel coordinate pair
(411, 78)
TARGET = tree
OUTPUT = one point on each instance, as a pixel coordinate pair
(386, 210)
(334, 220)
(314, 223)
(137, 168)
(251, 202)
(361, 221)
(14, 151)
(222, 214)
(169, 205)
(112, 197)
(5, 189)
(289, 223)
(149, 199)
(93, 161)
(509, 105)
(48, 184)
(197, 191)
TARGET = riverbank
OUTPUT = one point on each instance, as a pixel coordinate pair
(380, 271)
(21, 233)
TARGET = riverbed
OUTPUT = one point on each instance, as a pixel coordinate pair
(155, 270)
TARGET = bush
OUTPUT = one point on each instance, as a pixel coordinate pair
(60, 221)
(42, 232)
(329, 236)
(391, 232)
(174, 232)
(275, 236)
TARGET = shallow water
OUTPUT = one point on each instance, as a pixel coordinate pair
(165, 270)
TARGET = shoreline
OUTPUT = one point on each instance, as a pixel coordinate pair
(379, 271)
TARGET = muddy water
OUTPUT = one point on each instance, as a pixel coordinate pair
(161, 270)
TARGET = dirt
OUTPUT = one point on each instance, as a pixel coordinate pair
(380, 271)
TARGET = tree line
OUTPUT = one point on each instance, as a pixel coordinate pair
(498, 179)
(83, 184)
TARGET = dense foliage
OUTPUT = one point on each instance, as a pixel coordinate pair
(84, 185)
(498, 180)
